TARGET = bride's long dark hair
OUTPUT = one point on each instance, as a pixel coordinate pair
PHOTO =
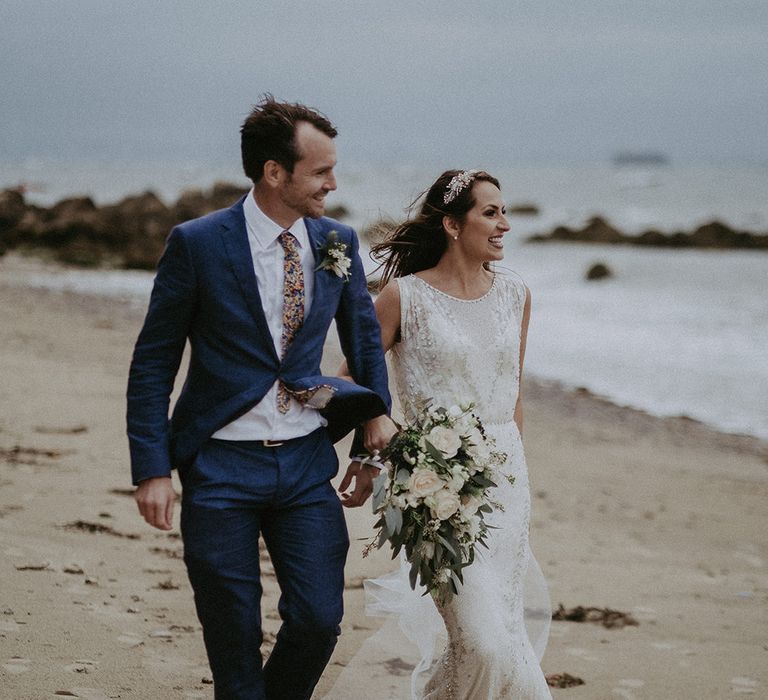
(419, 242)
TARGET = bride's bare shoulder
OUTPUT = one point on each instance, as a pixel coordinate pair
(390, 292)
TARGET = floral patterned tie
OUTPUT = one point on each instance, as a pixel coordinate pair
(293, 305)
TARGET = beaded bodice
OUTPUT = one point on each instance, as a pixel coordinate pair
(455, 351)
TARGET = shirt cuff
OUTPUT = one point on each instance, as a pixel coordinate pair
(368, 460)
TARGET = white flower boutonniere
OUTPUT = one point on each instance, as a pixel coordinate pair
(335, 256)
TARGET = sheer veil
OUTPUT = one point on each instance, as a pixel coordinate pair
(413, 636)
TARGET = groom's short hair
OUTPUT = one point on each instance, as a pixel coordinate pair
(269, 133)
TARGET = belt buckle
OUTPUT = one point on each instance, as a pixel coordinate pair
(272, 443)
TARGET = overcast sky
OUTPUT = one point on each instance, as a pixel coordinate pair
(404, 81)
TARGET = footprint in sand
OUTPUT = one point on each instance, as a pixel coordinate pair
(751, 559)
(664, 646)
(17, 664)
(8, 625)
(82, 693)
(584, 654)
(130, 640)
(741, 685)
(81, 666)
(626, 686)
(644, 614)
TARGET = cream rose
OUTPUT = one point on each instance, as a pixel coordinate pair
(445, 440)
(446, 503)
(424, 482)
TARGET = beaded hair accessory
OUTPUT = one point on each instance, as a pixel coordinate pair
(457, 184)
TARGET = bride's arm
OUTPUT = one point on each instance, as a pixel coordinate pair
(523, 338)
(387, 307)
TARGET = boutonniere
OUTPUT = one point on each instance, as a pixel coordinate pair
(335, 256)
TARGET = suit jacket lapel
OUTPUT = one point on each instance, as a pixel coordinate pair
(317, 238)
(238, 249)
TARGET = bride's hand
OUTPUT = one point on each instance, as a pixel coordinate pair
(378, 432)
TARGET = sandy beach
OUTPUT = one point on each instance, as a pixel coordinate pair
(662, 519)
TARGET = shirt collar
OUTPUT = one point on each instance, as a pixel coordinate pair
(265, 231)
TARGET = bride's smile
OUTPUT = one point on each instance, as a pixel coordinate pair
(481, 235)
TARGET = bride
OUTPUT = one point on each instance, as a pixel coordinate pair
(456, 329)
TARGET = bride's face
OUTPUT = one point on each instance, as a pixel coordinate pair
(481, 235)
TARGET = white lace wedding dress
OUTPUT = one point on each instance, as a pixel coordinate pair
(454, 351)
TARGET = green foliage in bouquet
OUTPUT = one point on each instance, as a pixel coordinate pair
(434, 494)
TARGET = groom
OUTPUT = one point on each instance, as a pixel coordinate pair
(254, 288)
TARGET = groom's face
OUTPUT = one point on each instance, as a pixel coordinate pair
(304, 191)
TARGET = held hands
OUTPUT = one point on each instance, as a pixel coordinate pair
(156, 498)
(377, 435)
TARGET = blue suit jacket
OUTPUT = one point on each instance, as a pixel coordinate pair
(206, 291)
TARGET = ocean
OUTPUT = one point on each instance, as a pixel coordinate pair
(672, 332)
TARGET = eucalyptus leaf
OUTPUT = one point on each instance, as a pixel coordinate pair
(457, 580)
(436, 455)
(412, 574)
(394, 519)
(446, 544)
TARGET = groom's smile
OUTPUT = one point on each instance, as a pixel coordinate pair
(305, 189)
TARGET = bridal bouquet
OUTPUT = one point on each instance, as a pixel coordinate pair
(434, 494)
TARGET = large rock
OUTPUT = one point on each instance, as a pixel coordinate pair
(598, 230)
(12, 208)
(130, 233)
(138, 226)
(712, 235)
(598, 271)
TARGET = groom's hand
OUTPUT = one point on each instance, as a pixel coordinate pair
(156, 498)
(363, 475)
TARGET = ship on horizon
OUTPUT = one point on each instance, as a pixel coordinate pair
(645, 159)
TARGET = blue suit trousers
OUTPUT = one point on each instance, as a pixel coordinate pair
(234, 493)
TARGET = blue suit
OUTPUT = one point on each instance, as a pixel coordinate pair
(206, 292)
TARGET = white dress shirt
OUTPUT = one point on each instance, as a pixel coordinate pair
(264, 421)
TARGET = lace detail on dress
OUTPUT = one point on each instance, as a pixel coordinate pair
(453, 351)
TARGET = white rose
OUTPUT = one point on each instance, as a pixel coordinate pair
(465, 424)
(428, 549)
(424, 482)
(446, 503)
(479, 450)
(475, 436)
(445, 440)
